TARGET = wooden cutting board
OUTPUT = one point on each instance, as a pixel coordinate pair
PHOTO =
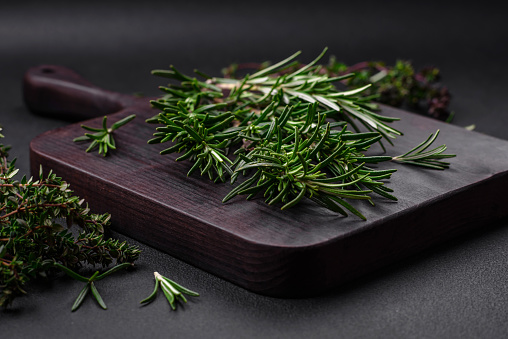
(295, 253)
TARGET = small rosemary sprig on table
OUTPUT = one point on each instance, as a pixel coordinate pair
(90, 286)
(430, 159)
(102, 138)
(172, 291)
(288, 130)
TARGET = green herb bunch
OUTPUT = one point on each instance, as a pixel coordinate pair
(32, 240)
(288, 130)
(399, 85)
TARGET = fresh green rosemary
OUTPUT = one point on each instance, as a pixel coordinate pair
(31, 238)
(288, 130)
(400, 85)
(102, 138)
(430, 159)
(90, 286)
(172, 291)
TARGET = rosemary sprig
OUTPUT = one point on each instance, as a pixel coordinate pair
(191, 132)
(288, 171)
(172, 291)
(102, 138)
(430, 159)
(287, 129)
(310, 85)
(90, 286)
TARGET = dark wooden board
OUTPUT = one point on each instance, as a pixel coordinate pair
(295, 253)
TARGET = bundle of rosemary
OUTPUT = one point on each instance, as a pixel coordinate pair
(288, 130)
(397, 85)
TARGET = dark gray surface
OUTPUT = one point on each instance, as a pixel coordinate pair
(455, 290)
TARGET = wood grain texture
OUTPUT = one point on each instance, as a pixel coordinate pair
(295, 253)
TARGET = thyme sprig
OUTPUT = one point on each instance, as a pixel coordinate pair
(287, 129)
(172, 291)
(399, 85)
(102, 138)
(32, 238)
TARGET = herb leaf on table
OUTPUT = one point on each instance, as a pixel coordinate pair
(102, 138)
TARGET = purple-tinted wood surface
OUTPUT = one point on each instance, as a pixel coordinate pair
(294, 253)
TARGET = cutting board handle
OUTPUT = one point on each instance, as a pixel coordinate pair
(59, 92)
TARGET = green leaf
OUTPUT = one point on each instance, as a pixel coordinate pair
(195, 166)
(193, 134)
(81, 297)
(272, 68)
(70, 272)
(123, 121)
(81, 138)
(169, 295)
(279, 197)
(113, 270)
(242, 186)
(264, 113)
(350, 92)
(296, 200)
(104, 123)
(175, 148)
(359, 136)
(92, 129)
(152, 296)
(256, 164)
(308, 66)
(325, 202)
(340, 177)
(97, 296)
(181, 288)
(12, 174)
(348, 207)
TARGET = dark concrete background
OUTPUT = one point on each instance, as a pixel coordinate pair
(455, 290)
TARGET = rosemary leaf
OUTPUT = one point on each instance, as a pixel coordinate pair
(97, 296)
(81, 297)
